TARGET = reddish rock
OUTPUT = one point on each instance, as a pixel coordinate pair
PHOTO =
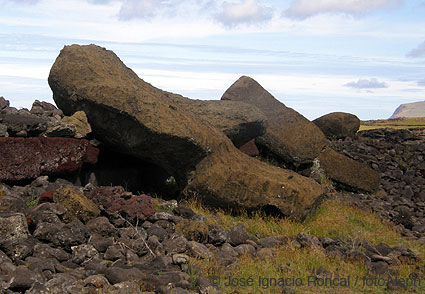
(138, 206)
(46, 197)
(250, 148)
(92, 154)
(30, 222)
(117, 200)
(28, 158)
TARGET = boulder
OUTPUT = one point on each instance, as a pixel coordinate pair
(13, 227)
(3, 103)
(77, 205)
(117, 200)
(349, 173)
(28, 158)
(289, 135)
(44, 108)
(239, 121)
(338, 125)
(131, 116)
(22, 123)
(193, 230)
(79, 120)
(59, 129)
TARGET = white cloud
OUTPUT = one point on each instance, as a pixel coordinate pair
(367, 84)
(146, 9)
(140, 8)
(418, 51)
(421, 82)
(247, 11)
(307, 8)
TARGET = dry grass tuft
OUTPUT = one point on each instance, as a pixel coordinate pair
(334, 218)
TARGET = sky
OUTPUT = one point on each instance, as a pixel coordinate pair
(364, 57)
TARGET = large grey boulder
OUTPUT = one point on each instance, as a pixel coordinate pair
(135, 118)
(289, 135)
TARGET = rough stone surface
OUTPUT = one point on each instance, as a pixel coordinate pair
(77, 205)
(250, 148)
(13, 227)
(22, 123)
(193, 230)
(79, 120)
(3, 103)
(239, 121)
(116, 200)
(289, 135)
(12, 204)
(338, 125)
(22, 279)
(350, 173)
(60, 257)
(45, 109)
(28, 158)
(398, 156)
(238, 235)
(137, 119)
(3, 131)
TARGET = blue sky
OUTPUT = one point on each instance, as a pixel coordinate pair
(365, 57)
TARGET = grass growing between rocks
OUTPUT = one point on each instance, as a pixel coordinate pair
(333, 219)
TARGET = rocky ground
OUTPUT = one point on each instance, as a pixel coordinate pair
(399, 156)
(57, 246)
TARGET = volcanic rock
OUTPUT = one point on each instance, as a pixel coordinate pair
(3, 131)
(22, 123)
(28, 158)
(338, 125)
(193, 230)
(239, 121)
(349, 173)
(79, 120)
(13, 227)
(76, 204)
(135, 118)
(3, 103)
(116, 200)
(289, 135)
(45, 109)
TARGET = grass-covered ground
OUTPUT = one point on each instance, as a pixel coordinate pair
(399, 123)
(333, 219)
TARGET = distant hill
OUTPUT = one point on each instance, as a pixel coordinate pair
(416, 109)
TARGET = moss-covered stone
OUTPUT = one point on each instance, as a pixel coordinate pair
(193, 230)
(79, 120)
(76, 204)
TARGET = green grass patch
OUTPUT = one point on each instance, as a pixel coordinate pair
(399, 123)
(334, 219)
(34, 200)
